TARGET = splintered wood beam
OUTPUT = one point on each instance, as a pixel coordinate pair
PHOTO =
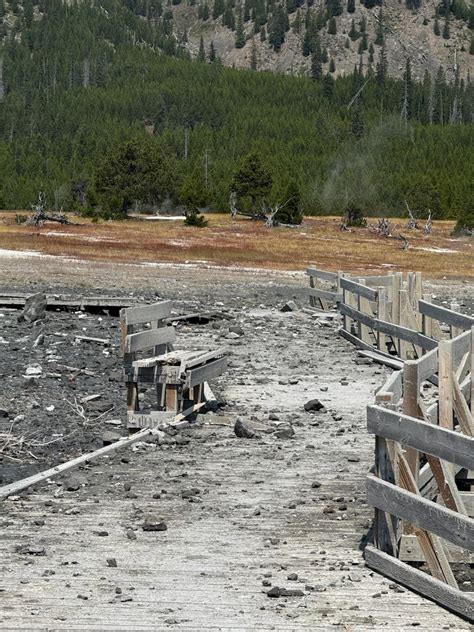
(461, 408)
(459, 602)
(19, 486)
(430, 544)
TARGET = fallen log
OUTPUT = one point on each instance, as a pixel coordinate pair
(30, 481)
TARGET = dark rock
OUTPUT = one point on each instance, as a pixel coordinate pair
(3, 413)
(72, 484)
(315, 484)
(243, 430)
(30, 549)
(293, 577)
(314, 406)
(274, 592)
(154, 524)
(110, 436)
(289, 307)
(235, 329)
(291, 592)
(112, 562)
(131, 535)
(35, 308)
(285, 432)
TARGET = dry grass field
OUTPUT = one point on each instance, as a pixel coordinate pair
(245, 243)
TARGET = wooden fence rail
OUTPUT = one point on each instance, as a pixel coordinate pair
(424, 452)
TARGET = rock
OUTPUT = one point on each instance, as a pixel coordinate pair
(34, 370)
(39, 341)
(131, 535)
(112, 562)
(35, 308)
(274, 592)
(285, 432)
(190, 493)
(315, 484)
(292, 577)
(72, 484)
(110, 436)
(243, 430)
(291, 592)
(353, 459)
(235, 329)
(4, 413)
(314, 406)
(30, 549)
(154, 524)
(273, 417)
(290, 306)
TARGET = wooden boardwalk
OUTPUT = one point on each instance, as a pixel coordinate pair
(256, 516)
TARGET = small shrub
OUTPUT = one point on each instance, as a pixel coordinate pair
(194, 218)
(354, 217)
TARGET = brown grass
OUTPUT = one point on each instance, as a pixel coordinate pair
(246, 243)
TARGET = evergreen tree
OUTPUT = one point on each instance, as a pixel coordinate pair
(357, 121)
(324, 55)
(436, 30)
(353, 32)
(277, 28)
(382, 67)
(263, 34)
(363, 25)
(297, 22)
(333, 8)
(407, 101)
(471, 47)
(371, 53)
(253, 56)
(332, 65)
(350, 6)
(306, 44)
(218, 9)
(240, 33)
(332, 27)
(328, 86)
(201, 56)
(291, 212)
(212, 53)
(316, 66)
(228, 19)
(252, 183)
(380, 36)
(363, 44)
(446, 29)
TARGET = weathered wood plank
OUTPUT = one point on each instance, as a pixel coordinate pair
(393, 385)
(410, 551)
(206, 372)
(420, 512)
(334, 297)
(426, 437)
(148, 339)
(321, 274)
(461, 321)
(427, 364)
(146, 313)
(358, 288)
(459, 602)
(396, 331)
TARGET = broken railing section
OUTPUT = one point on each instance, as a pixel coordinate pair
(423, 474)
(424, 452)
(388, 314)
(178, 378)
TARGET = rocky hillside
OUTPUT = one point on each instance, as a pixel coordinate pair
(290, 36)
(357, 31)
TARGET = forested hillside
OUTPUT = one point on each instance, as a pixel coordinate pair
(80, 78)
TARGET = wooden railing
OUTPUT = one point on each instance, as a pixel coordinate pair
(424, 436)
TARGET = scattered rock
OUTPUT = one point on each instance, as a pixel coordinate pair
(109, 436)
(315, 484)
(243, 430)
(314, 406)
(154, 524)
(112, 562)
(35, 308)
(285, 432)
(290, 306)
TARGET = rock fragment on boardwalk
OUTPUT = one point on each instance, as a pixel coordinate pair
(152, 523)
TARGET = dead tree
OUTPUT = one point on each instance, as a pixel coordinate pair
(233, 204)
(40, 216)
(412, 223)
(428, 229)
(405, 243)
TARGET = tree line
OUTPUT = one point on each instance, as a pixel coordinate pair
(74, 89)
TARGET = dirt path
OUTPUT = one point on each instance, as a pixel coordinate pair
(243, 515)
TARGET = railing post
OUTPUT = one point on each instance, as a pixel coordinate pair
(445, 386)
(382, 315)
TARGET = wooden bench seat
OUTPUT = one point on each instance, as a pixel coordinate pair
(178, 375)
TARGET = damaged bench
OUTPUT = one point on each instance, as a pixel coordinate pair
(180, 377)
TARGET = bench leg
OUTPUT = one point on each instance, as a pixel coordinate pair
(132, 397)
(172, 401)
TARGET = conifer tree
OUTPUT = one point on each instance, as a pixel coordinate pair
(328, 86)
(201, 56)
(332, 27)
(240, 33)
(212, 53)
(446, 29)
(380, 36)
(253, 56)
(353, 32)
(218, 9)
(382, 67)
(350, 6)
(316, 66)
(436, 30)
(407, 100)
(332, 65)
